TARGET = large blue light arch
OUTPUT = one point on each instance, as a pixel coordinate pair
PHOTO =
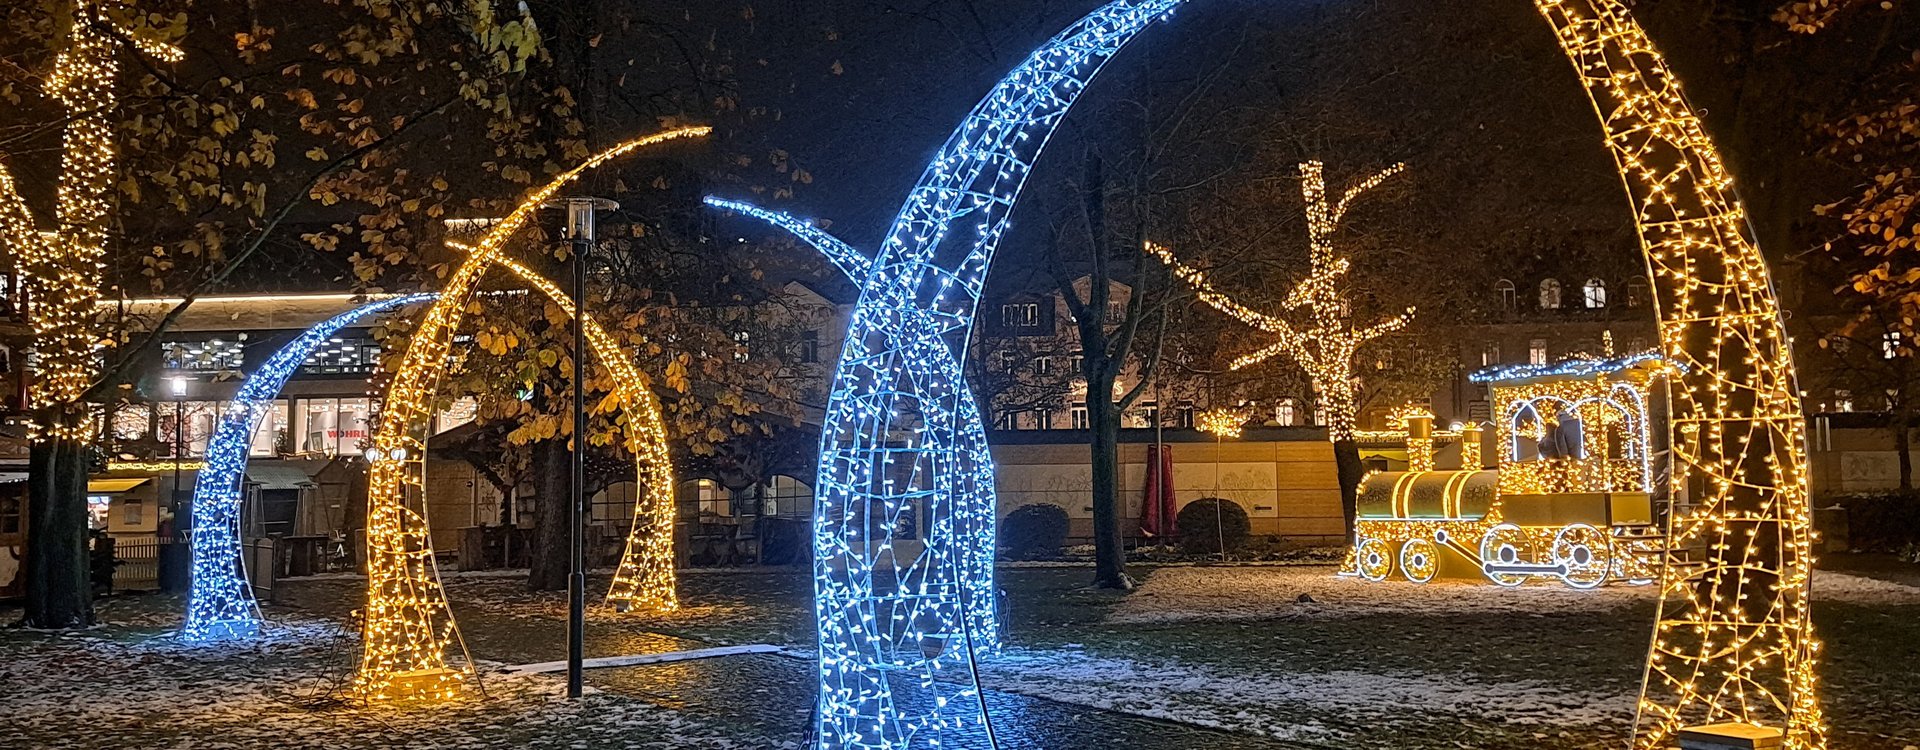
(904, 526)
(220, 604)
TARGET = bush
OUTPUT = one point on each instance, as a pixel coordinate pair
(1036, 531)
(1207, 522)
(1879, 521)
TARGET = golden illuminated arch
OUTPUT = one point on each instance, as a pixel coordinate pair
(408, 626)
(1732, 641)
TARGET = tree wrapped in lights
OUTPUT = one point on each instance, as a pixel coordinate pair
(61, 274)
(1326, 346)
(407, 626)
(220, 603)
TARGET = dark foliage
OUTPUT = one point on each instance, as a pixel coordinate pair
(1033, 532)
(1208, 522)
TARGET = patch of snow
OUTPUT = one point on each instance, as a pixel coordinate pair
(1250, 593)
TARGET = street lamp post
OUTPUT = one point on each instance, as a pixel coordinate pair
(179, 389)
(167, 550)
(580, 231)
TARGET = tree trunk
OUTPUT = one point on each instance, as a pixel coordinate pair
(551, 554)
(1346, 461)
(59, 584)
(1109, 549)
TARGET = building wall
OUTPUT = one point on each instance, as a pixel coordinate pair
(1288, 486)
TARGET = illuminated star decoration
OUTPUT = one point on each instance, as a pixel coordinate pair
(408, 627)
(220, 603)
(60, 270)
(1325, 348)
(903, 456)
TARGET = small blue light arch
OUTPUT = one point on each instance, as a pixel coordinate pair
(220, 602)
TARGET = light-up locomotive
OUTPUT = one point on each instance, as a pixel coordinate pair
(1572, 497)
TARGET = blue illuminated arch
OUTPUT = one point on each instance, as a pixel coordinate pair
(220, 604)
(904, 526)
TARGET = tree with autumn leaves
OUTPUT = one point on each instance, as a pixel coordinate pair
(321, 135)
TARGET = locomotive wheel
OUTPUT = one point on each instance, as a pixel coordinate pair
(1419, 560)
(1374, 560)
(1586, 553)
(1506, 544)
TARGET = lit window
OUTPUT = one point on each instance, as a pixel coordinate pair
(788, 496)
(1843, 400)
(1184, 418)
(1890, 345)
(1537, 352)
(1509, 295)
(1550, 294)
(343, 355)
(1079, 412)
(713, 499)
(742, 346)
(1020, 315)
(1286, 413)
(1490, 355)
(205, 356)
(1594, 294)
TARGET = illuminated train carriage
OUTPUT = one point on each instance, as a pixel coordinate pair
(1572, 497)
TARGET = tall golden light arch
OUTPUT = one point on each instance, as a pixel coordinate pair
(408, 627)
(1733, 640)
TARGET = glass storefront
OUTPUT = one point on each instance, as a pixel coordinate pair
(332, 426)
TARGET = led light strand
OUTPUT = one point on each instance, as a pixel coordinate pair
(1325, 349)
(407, 626)
(61, 270)
(220, 602)
(897, 450)
(1733, 639)
(851, 262)
(645, 579)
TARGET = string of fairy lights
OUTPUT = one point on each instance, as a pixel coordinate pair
(1733, 641)
(903, 455)
(220, 602)
(407, 626)
(61, 269)
(645, 579)
(1326, 347)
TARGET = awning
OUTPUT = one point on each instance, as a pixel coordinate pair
(102, 486)
(274, 475)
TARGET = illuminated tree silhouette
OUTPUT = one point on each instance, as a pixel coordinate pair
(1325, 346)
(61, 274)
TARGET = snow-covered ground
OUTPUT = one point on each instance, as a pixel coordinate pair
(1249, 593)
(112, 687)
(1342, 707)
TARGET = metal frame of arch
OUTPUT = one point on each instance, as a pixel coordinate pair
(1732, 641)
(408, 626)
(220, 602)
